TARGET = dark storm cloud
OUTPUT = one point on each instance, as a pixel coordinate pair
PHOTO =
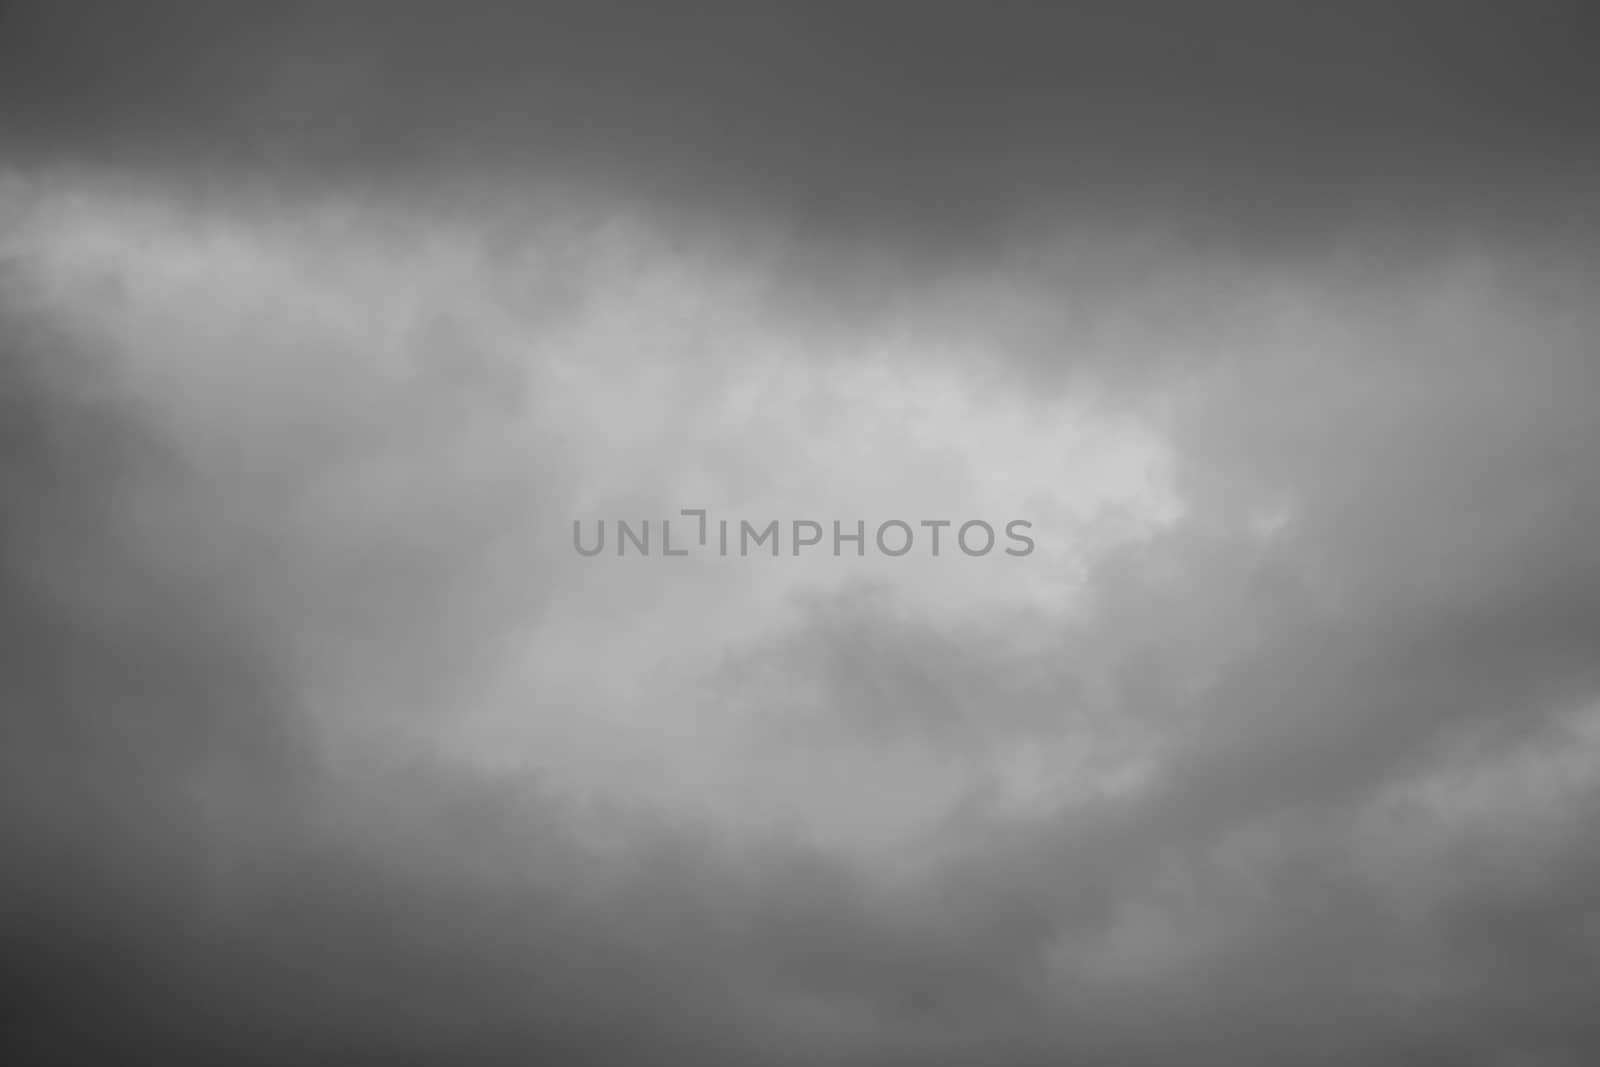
(1309, 769)
(1268, 122)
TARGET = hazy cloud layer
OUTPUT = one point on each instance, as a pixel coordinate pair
(321, 743)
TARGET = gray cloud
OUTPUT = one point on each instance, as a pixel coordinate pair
(1281, 125)
(319, 744)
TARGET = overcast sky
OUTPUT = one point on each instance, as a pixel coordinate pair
(322, 323)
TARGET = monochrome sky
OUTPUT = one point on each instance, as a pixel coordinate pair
(321, 323)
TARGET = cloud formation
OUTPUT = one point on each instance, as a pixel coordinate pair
(322, 744)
